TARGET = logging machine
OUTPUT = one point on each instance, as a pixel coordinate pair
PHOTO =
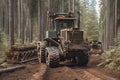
(63, 42)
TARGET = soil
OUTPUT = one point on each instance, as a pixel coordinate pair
(90, 72)
(21, 74)
(64, 72)
(80, 73)
(95, 60)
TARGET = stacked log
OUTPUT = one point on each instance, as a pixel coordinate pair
(19, 53)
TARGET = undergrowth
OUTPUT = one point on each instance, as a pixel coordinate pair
(2, 57)
(3, 41)
(113, 57)
(3, 47)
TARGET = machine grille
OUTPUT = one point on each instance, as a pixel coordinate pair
(73, 36)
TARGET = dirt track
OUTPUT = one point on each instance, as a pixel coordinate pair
(35, 71)
(21, 74)
(76, 73)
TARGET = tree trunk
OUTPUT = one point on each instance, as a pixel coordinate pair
(29, 21)
(31, 29)
(1, 15)
(62, 10)
(69, 5)
(39, 20)
(6, 17)
(15, 19)
(116, 1)
(19, 20)
(48, 19)
(107, 24)
(11, 21)
(22, 19)
(42, 19)
(73, 6)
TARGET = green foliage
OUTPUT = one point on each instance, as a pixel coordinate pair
(89, 19)
(114, 59)
(3, 41)
(114, 56)
(2, 57)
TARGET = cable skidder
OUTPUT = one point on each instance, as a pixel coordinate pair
(64, 42)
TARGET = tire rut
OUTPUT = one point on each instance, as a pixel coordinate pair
(75, 73)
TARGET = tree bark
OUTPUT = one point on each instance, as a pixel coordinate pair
(11, 21)
(39, 21)
(15, 19)
(6, 17)
(22, 25)
(1, 15)
(62, 3)
(19, 20)
(29, 21)
(116, 18)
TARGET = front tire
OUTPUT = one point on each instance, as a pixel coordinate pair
(52, 60)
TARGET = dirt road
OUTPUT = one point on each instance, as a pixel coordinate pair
(66, 71)
(21, 74)
(72, 72)
(76, 73)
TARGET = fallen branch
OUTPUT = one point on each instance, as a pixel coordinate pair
(105, 62)
(11, 68)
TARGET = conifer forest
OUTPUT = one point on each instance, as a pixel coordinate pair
(59, 40)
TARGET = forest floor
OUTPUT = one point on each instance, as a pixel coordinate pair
(21, 74)
(33, 71)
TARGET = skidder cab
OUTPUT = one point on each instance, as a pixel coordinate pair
(64, 42)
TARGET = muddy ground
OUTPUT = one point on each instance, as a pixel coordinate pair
(90, 72)
(64, 72)
(21, 74)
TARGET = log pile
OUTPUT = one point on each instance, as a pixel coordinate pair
(21, 53)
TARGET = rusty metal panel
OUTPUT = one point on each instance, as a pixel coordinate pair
(73, 36)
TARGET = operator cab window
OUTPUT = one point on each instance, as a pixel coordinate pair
(62, 24)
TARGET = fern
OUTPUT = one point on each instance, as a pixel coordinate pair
(114, 55)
